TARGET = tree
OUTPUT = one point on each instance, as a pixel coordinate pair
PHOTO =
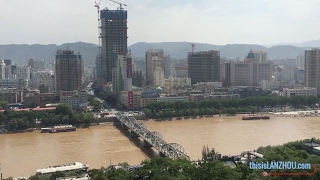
(207, 154)
(4, 104)
(64, 109)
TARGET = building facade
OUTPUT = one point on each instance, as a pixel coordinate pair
(204, 66)
(154, 62)
(45, 78)
(137, 78)
(306, 91)
(312, 66)
(37, 65)
(69, 70)
(114, 42)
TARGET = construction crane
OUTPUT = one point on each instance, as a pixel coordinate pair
(121, 4)
(192, 45)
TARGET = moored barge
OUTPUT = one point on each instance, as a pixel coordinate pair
(255, 117)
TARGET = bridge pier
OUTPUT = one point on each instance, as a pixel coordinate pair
(133, 134)
(161, 154)
(116, 123)
(124, 127)
(146, 144)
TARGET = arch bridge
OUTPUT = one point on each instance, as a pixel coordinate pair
(152, 139)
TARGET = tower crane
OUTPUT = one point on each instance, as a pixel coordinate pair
(192, 45)
(121, 4)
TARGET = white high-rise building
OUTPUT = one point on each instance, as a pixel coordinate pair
(2, 69)
(23, 72)
(37, 65)
(300, 61)
(158, 77)
(44, 78)
(154, 60)
(261, 56)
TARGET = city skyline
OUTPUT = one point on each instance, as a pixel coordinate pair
(227, 22)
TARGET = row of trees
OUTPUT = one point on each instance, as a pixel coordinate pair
(230, 106)
(96, 104)
(210, 168)
(63, 114)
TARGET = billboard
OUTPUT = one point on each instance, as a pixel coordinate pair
(129, 68)
(130, 99)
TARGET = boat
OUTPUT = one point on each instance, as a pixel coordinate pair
(255, 117)
(45, 130)
(76, 166)
(62, 128)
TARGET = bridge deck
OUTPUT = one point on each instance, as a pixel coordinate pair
(171, 150)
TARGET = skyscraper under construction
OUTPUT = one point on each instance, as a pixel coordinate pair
(114, 42)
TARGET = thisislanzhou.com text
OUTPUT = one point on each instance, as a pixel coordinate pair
(279, 165)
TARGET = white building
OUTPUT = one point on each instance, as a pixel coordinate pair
(261, 56)
(300, 61)
(44, 77)
(158, 77)
(13, 83)
(306, 91)
(172, 98)
(2, 69)
(172, 82)
(23, 72)
(288, 73)
(76, 99)
(270, 85)
(37, 65)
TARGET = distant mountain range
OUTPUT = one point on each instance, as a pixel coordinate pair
(21, 53)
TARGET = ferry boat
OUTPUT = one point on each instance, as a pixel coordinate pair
(76, 166)
(255, 117)
(45, 130)
(62, 128)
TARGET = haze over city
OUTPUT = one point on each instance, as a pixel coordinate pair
(215, 22)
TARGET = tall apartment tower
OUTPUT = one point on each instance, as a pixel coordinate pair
(37, 65)
(300, 61)
(312, 66)
(69, 70)
(154, 62)
(2, 69)
(204, 66)
(114, 42)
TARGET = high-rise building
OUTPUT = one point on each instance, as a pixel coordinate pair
(45, 78)
(23, 72)
(137, 78)
(37, 65)
(114, 42)
(69, 70)
(247, 73)
(257, 56)
(262, 56)
(312, 66)
(204, 66)
(8, 62)
(2, 69)
(300, 61)
(154, 61)
(122, 78)
(122, 74)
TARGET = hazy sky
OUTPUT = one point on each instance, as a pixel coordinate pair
(208, 21)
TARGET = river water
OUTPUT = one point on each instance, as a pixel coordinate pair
(22, 154)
